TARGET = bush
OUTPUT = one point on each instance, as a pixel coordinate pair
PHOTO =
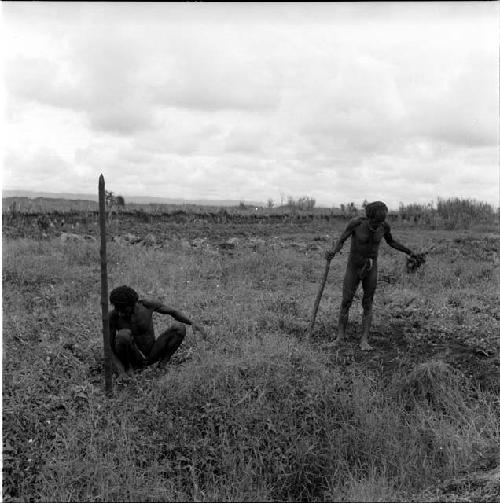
(461, 213)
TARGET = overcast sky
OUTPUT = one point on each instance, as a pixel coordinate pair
(340, 102)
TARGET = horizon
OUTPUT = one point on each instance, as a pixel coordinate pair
(225, 202)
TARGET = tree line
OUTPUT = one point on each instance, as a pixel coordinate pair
(451, 213)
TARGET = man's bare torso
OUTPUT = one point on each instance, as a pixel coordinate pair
(140, 324)
(365, 243)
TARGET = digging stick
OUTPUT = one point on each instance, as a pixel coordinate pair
(108, 381)
(318, 297)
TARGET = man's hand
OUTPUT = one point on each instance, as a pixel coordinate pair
(417, 256)
(197, 328)
(329, 254)
(414, 261)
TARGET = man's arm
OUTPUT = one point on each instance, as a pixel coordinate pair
(329, 254)
(158, 307)
(393, 243)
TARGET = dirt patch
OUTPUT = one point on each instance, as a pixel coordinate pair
(395, 351)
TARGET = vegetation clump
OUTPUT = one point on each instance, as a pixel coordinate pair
(436, 383)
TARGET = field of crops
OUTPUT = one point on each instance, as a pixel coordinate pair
(258, 411)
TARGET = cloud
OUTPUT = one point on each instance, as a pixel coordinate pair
(184, 132)
(334, 101)
(110, 66)
(247, 138)
(99, 75)
(38, 171)
(461, 109)
(215, 68)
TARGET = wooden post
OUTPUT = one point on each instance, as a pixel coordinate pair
(108, 378)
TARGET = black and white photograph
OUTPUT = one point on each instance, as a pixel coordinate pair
(250, 251)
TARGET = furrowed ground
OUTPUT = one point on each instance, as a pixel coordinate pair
(256, 412)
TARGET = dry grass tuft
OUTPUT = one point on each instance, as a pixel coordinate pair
(436, 384)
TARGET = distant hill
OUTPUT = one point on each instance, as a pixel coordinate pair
(45, 204)
(128, 199)
(51, 195)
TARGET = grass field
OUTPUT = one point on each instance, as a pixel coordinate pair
(256, 412)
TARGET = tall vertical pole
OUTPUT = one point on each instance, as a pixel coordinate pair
(104, 290)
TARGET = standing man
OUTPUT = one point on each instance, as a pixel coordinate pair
(366, 234)
(132, 336)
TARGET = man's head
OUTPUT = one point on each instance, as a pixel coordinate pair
(376, 212)
(123, 299)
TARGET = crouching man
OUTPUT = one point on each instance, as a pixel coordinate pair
(132, 337)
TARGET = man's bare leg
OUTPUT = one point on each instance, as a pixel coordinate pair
(366, 324)
(369, 287)
(342, 325)
(122, 350)
(127, 355)
(167, 344)
(117, 365)
(351, 281)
